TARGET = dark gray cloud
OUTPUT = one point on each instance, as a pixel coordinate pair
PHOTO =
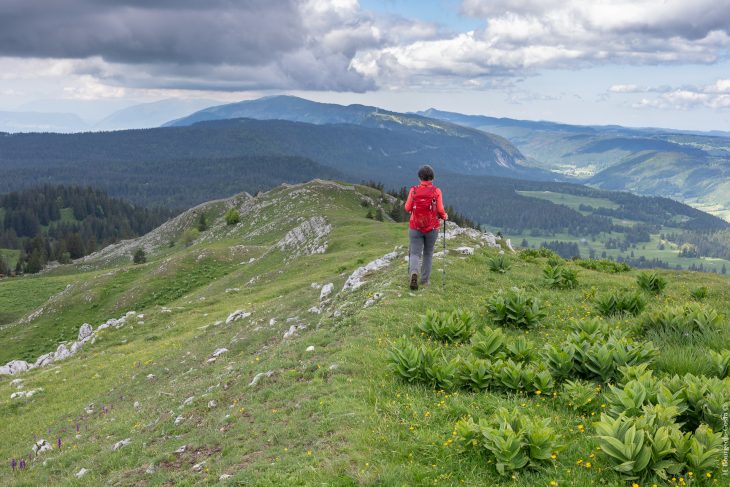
(248, 32)
(197, 44)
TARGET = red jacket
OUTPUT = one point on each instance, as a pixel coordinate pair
(439, 203)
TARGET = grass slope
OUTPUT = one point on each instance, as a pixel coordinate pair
(333, 416)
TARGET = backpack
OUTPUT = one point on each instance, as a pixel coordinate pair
(423, 214)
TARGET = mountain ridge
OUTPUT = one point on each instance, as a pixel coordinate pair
(258, 354)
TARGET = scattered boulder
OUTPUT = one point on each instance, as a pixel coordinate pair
(260, 376)
(81, 473)
(198, 467)
(372, 300)
(326, 291)
(219, 351)
(314, 310)
(237, 315)
(212, 404)
(225, 476)
(310, 348)
(19, 394)
(179, 420)
(315, 285)
(181, 449)
(121, 444)
(41, 446)
(188, 401)
(465, 250)
(293, 330)
(233, 290)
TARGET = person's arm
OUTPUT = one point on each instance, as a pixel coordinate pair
(409, 203)
(440, 206)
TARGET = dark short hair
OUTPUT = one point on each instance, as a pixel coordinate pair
(425, 173)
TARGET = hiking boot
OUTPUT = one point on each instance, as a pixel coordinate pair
(425, 284)
(414, 282)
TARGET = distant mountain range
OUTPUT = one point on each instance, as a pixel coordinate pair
(40, 118)
(148, 115)
(690, 167)
(41, 122)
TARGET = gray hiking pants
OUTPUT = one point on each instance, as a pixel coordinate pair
(421, 244)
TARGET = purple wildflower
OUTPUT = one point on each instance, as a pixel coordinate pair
(77, 427)
(13, 464)
(58, 442)
(22, 464)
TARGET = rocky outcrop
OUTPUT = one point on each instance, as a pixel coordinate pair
(64, 350)
(309, 237)
(85, 331)
(356, 278)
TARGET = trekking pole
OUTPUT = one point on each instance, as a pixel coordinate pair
(443, 261)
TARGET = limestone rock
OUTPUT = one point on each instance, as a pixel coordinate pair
(237, 315)
(219, 351)
(81, 473)
(372, 300)
(326, 291)
(85, 331)
(61, 353)
(293, 329)
(260, 376)
(356, 278)
(465, 250)
(44, 360)
(41, 446)
(121, 444)
(14, 367)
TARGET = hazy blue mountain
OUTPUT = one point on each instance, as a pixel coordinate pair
(14, 122)
(148, 115)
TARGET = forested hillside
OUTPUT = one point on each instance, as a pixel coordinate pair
(61, 223)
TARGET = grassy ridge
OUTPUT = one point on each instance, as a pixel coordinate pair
(334, 416)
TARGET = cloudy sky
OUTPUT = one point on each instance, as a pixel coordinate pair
(630, 62)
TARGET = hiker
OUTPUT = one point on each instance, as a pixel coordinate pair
(426, 207)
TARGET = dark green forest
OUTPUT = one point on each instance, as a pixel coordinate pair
(60, 223)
